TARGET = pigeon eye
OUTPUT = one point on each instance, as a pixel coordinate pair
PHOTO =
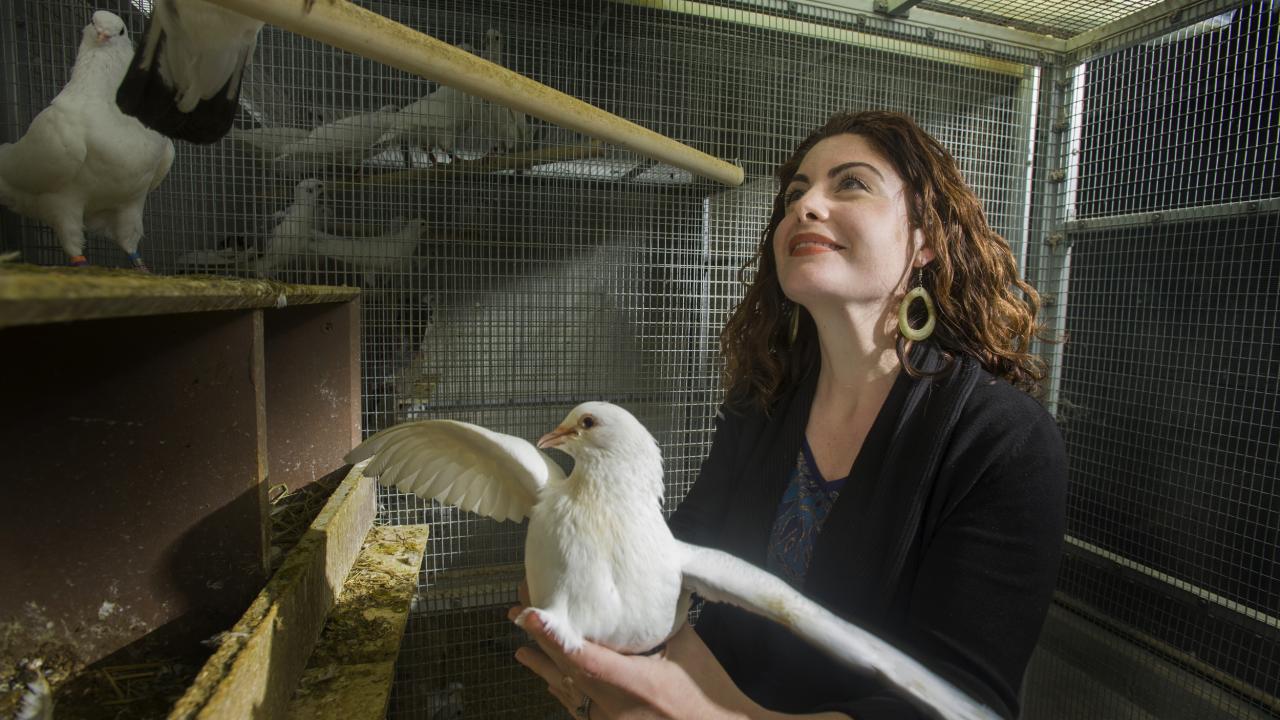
(121, 31)
(588, 422)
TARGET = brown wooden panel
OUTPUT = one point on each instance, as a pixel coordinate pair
(132, 494)
(313, 390)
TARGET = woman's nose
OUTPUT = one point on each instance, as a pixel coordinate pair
(811, 207)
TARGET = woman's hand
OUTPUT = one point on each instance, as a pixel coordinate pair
(682, 681)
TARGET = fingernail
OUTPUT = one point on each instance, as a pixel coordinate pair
(513, 613)
(522, 655)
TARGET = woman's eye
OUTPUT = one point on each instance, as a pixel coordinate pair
(792, 195)
(851, 182)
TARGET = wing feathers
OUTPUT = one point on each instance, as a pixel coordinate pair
(459, 464)
(720, 577)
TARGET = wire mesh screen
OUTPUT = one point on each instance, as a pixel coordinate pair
(512, 269)
(1168, 398)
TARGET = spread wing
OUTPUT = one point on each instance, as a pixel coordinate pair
(720, 577)
(459, 464)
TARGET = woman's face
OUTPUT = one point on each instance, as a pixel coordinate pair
(845, 238)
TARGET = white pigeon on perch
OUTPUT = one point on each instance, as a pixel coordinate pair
(186, 77)
(492, 125)
(82, 164)
(600, 562)
(266, 142)
(432, 122)
(292, 236)
(346, 141)
(372, 255)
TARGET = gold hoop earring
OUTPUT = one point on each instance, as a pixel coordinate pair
(904, 326)
(794, 330)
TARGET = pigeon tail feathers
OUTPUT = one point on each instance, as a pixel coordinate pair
(144, 94)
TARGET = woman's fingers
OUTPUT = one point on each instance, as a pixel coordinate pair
(536, 630)
(559, 683)
(561, 686)
(540, 664)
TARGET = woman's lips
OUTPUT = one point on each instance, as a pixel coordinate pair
(811, 244)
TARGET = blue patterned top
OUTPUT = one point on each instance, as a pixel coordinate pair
(804, 506)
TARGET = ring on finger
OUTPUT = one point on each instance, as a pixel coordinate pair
(583, 711)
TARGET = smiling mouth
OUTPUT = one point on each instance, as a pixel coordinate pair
(811, 244)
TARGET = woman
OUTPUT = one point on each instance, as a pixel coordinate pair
(879, 449)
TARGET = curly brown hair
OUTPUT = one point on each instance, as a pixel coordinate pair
(983, 308)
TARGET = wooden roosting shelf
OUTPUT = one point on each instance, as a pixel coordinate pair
(144, 419)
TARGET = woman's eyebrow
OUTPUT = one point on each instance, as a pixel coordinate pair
(841, 168)
(800, 177)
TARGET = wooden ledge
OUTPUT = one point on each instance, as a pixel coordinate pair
(33, 294)
(351, 670)
(257, 667)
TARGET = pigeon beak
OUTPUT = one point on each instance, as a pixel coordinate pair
(556, 437)
(103, 37)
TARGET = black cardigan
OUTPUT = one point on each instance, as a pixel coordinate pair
(950, 551)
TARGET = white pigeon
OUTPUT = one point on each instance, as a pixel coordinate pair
(600, 562)
(266, 142)
(291, 237)
(346, 141)
(82, 164)
(489, 124)
(432, 122)
(186, 77)
(372, 255)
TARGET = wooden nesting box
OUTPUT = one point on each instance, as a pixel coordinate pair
(143, 420)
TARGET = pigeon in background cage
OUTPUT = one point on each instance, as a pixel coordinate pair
(343, 143)
(600, 562)
(375, 255)
(432, 122)
(266, 142)
(185, 79)
(490, 125)
(456, 124)
(291, 237)
(82, 164)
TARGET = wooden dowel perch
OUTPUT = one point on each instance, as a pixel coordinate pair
(354, 29)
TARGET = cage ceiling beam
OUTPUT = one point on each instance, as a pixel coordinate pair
(346, 26)
(911, 37)
(895, 8)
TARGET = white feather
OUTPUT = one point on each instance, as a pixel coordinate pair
(342, 142)
(267, 142)
(465, 464)
(205, 48)
(720, 577)
(375, 255)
